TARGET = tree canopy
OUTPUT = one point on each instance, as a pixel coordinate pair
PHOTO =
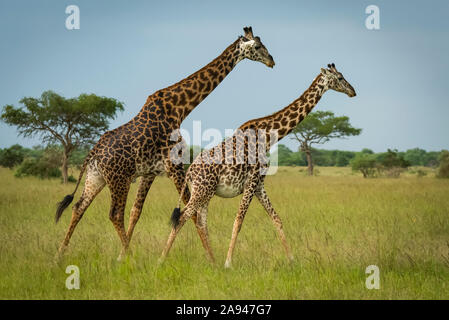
(72, 122)
(318, 128)
(321, 126)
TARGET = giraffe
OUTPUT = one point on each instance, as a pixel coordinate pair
(228, 176)
(141, 147)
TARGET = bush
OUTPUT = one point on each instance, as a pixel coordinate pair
(44, 165)
(38, 168)
(12, 156)
(72, 179)
(365, 163)
(443, 169)
(392, 159)
(391, 164)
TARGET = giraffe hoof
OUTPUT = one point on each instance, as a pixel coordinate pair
(59, 255)
(160, 261)
(57, 258)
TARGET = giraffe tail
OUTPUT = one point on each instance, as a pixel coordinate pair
(176, 214)
(61, 206)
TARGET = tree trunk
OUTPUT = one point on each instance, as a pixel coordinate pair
(65, 169)
(309, 161)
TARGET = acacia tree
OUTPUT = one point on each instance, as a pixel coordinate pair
(365, 163)
(319, 127)
(72, 122)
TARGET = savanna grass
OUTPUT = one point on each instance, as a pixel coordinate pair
(336, 223)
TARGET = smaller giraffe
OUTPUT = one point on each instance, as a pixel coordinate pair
(234, 166)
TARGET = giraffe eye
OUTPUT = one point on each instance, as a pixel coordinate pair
(257, 47)
(340, 79)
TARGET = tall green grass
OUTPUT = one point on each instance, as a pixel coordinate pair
(337, 224)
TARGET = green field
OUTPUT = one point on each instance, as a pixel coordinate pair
(337, 224)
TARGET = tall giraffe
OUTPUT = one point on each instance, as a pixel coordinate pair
(221, 172)
(142, 146)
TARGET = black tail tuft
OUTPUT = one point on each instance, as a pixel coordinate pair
(62, 206)
(175, 216)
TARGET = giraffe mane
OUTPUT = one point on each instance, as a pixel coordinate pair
(274, 114)
(213, 62)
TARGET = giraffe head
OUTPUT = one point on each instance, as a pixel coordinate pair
(252, 48)
(336, 81)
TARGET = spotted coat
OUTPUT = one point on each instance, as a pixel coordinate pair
(222, 172)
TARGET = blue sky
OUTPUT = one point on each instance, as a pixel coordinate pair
(129, 49)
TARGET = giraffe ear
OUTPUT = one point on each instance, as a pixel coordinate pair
(324, 71)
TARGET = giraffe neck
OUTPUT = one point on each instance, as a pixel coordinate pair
(285, 120)
(179, 99)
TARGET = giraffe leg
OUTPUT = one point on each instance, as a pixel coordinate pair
(198, 200)
(265, 201)
(144, 187)
(93, 185)
(119, 195)
(201, 227)
(186, 213)
(177, 173)
(243, 208)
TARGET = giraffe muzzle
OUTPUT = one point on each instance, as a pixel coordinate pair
(270, 64)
